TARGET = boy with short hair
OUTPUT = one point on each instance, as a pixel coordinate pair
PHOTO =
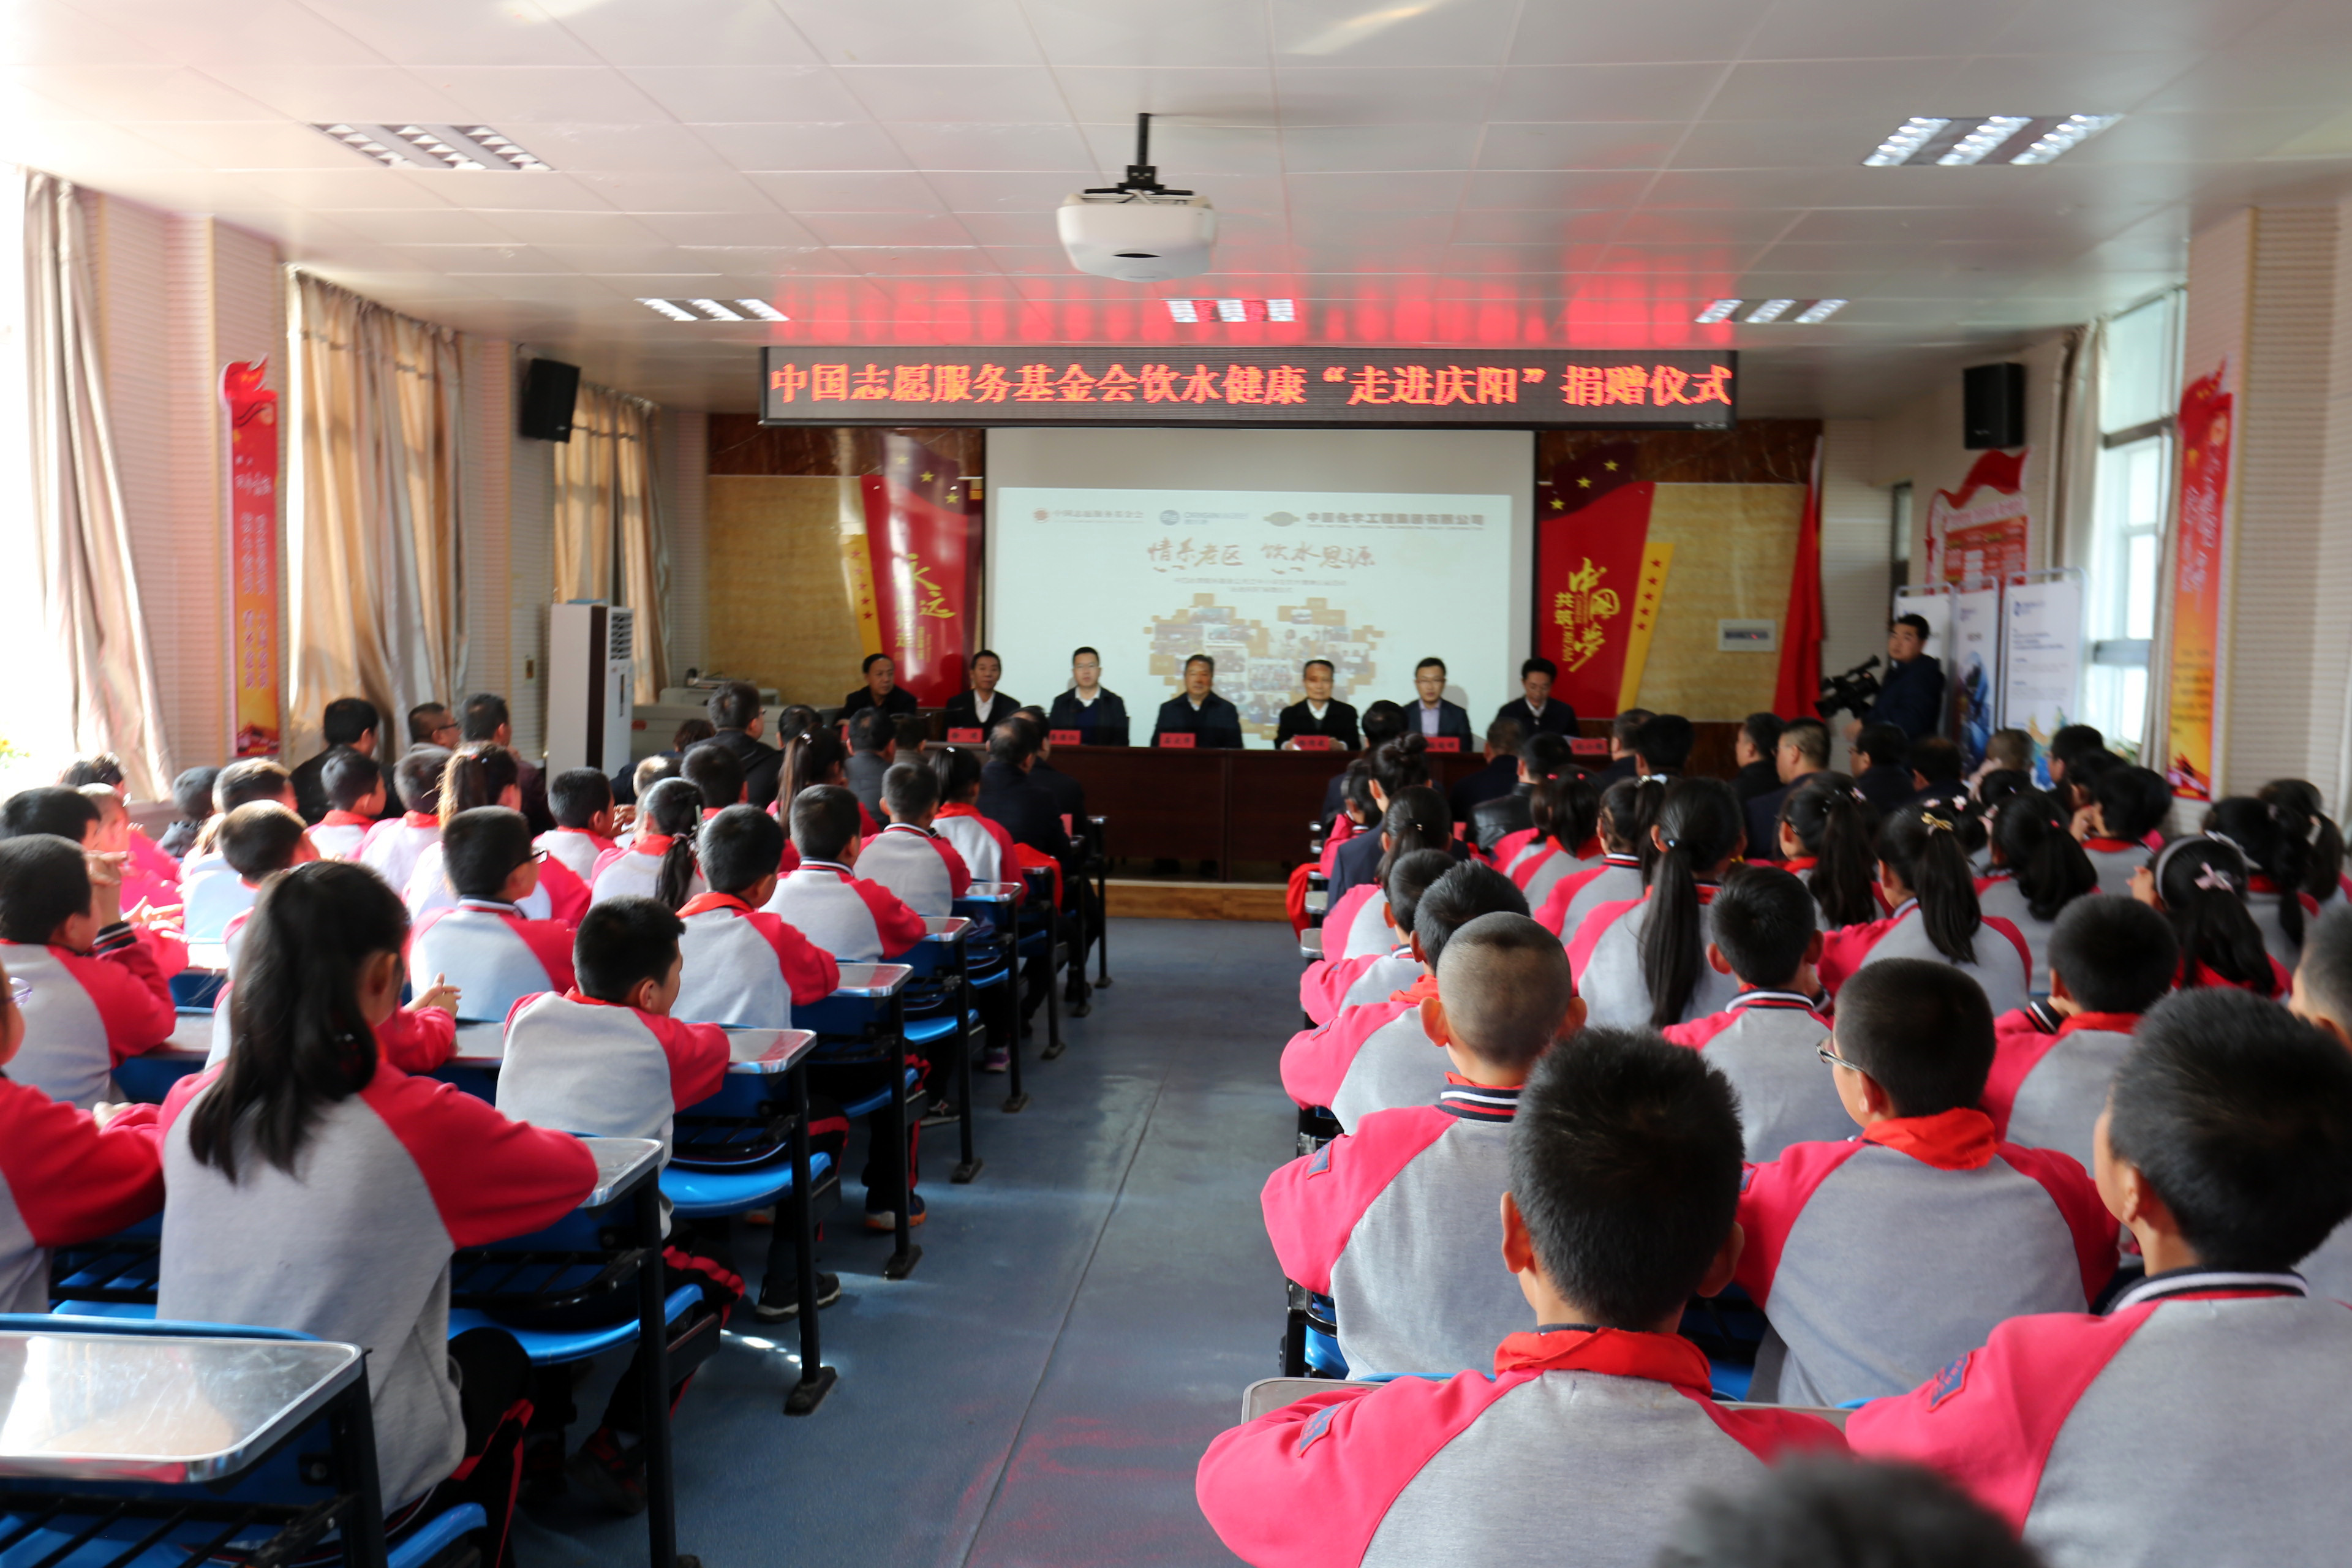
(716, 774)
(1879, 1258)
(917, 865)
(581, 801)
(1880, 752)
(491, 952)
(259, 840)
(1624, 1167)
(394, 845)
(856, 920)
(2110, 960)
(1937, 767)
(1393, 1219)
(1767, 1042)
(744, 966)
(2201, 1417)
(355, 802)
(1663, 744)
(1329, 985)
(99, 995)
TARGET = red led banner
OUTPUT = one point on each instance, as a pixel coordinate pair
(1651, 388)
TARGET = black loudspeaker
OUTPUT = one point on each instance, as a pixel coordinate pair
(1993, 396)
(549, 387)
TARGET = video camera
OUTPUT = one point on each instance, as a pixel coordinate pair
(1854, 691)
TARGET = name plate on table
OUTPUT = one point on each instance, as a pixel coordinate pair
(1182, 741)
(1312, 742)
(1588, 746)
(1445, 743)
(966, 737)
(1066, 737)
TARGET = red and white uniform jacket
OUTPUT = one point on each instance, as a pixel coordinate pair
(339, 835)
(919, 865)
(1329, 986)
(87, 1011)
(744, 967)
(356, 1246)
(1606, 957)
(630, 871)
(1879, 1260)
(393, 845)
(2000, 966)
(560, 896)
(1397, 1221)
(2202, 1419)
(855, 921)
(985, 847)
(64, 1180)
(2047, 1087)
(1768, 1043)
(577, 848)
(149, 876)
(1369, 1059)
(604, 1071)
(414, 1039)
(1572, 897)
(1359, 921)
(492, 954)
(211, 894)
(2116, 860)
(1582, 1448)
(1537, 876)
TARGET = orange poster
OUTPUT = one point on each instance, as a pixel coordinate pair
(2197, 584)
(253, 554)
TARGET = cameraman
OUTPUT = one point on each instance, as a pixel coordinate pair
(1912, 699)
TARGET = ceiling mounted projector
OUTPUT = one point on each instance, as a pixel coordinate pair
(1138, 231)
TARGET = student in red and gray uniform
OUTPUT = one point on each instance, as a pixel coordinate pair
(98, 992)
(2198, 884)
(919, 865)
(1878, 1260)
(2275, 838)
(394, 846)
(2038, 869)
(1616, 876)
(1767, 1041)
(210, 892)
(658, 861)
(355, 803)
(1569, 809)
(486, 949)
(745, 967)
(486, 774)
(2110, 960)
(1394, 1219)
(607, 1059)
(581, 801)
(1328, 986)
(1923, 866)
(94, 817)
(1416, 818)
(2130, 803)
(1623, 1172)
(1828, 835)
(65, 1177)
(2202, 1417)
(1379, 1056)
(310, 1185)
(1642, 963)
(2323, 998)
(985, 847)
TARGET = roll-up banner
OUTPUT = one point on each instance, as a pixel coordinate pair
(1971, 660)
(2198, 559)
(252, 410)
(2041, 656)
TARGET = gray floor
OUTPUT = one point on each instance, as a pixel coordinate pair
(1084, 1319)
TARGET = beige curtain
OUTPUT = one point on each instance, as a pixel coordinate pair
(379, 607)
(89, 594)
(610, 540)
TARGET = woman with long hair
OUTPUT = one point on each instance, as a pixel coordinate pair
(1923, 867)
(1642, 963)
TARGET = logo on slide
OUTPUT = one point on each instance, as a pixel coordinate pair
(1171, 519)
(1281, 519)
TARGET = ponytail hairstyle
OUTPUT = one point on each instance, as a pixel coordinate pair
(1401, 764)
(478, 775)
(2275, 839)
(674, 807)
(1620, 821)
(1355, 788)
(815, 757)
(1568, 809)
(2201, 882)
(298, 1041)
(2134, 802)
(1701, 822)
(2032, 838)
(1922, 845)
(1649, 802)
(2324, 879)
(1417, 819)
(1837, 826)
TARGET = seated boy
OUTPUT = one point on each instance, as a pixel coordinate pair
(581, 801)
(2200, 1418)
(98, 993)
(2124, 822)
(856, 920)
(209, 892)
(1394, 1219)
(2322, 997)
(716, 774)
(150, 878)
(1329, 985)
(1596, 1423)
(355, 802)
(1618, 876)
(394, 845)
(1379, 1055)
(607, 1060)
(492, 954)
(744, 966)
(1878, 1260)
(2110, 960)
(192, 797)
(1767, 1042)
(917, 865)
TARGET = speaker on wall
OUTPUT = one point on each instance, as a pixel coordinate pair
(549, 387)
(1993, 400)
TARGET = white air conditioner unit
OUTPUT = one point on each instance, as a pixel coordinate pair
(591, 686)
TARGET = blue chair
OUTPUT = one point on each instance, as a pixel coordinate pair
(940, 1009)
(1043, 953)
(1310, 1343)
(865, 1020)
(148, 1080)
(988, 958)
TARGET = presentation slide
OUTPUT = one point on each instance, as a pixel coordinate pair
(1261, 579)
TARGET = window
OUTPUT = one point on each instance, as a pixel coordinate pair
(2138, 388)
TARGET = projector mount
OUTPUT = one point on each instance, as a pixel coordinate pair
(1142, 180)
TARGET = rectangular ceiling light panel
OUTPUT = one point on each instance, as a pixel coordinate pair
(1721, 310)
(473, 148)
(715, 309)
(1193, 312)
(1958, 142)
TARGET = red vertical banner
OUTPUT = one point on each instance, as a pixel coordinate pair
(920, 536)
(1799, 684)
(2198, 559)
(1589, 584)
(252, 411)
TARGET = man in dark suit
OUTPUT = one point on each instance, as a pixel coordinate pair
(881, 688)
(963, 711)
(1500, 777)
(1542, 756)
(1009, 799)
(1881, 766)
(1912, 696)
(1197, 710)
(1430, 713)
(1804, 749)
(1069, 795)
(1622, 731)
(736, 717)
(1534, 708)
(1760, 773)
(1317, 714)
(347, 721)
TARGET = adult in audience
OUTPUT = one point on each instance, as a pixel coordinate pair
(1804, 750)
(1533, 707)
(1096, 714)
(1429, 713)
(1199, 712)
(1069, 795)
(1318, 712)
(485, 718)
(347, 721)
(432, 724)
(1912, 696)
(1498, 778)
(1026, 812)
(737, 723)
(1882, 754)
(1622, 731)
(881, 688)
(872, 747)
(1759, 772)
(981, 706)
(1383, 722)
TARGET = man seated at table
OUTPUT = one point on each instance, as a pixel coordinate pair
(1200, 712)
(983, 706)
(1534, 708)
(1317, 713)
(1430, 713)
(881, 688)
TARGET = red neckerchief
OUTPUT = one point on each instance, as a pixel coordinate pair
(2108, 846)
(1801, 863)
(1957, 1140)
(1420, 990)
(346, 819)
(419, 819)
(2113, 1023)
(651, 844)
(1618, 1352)
(702, 903)
(2257, 883)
